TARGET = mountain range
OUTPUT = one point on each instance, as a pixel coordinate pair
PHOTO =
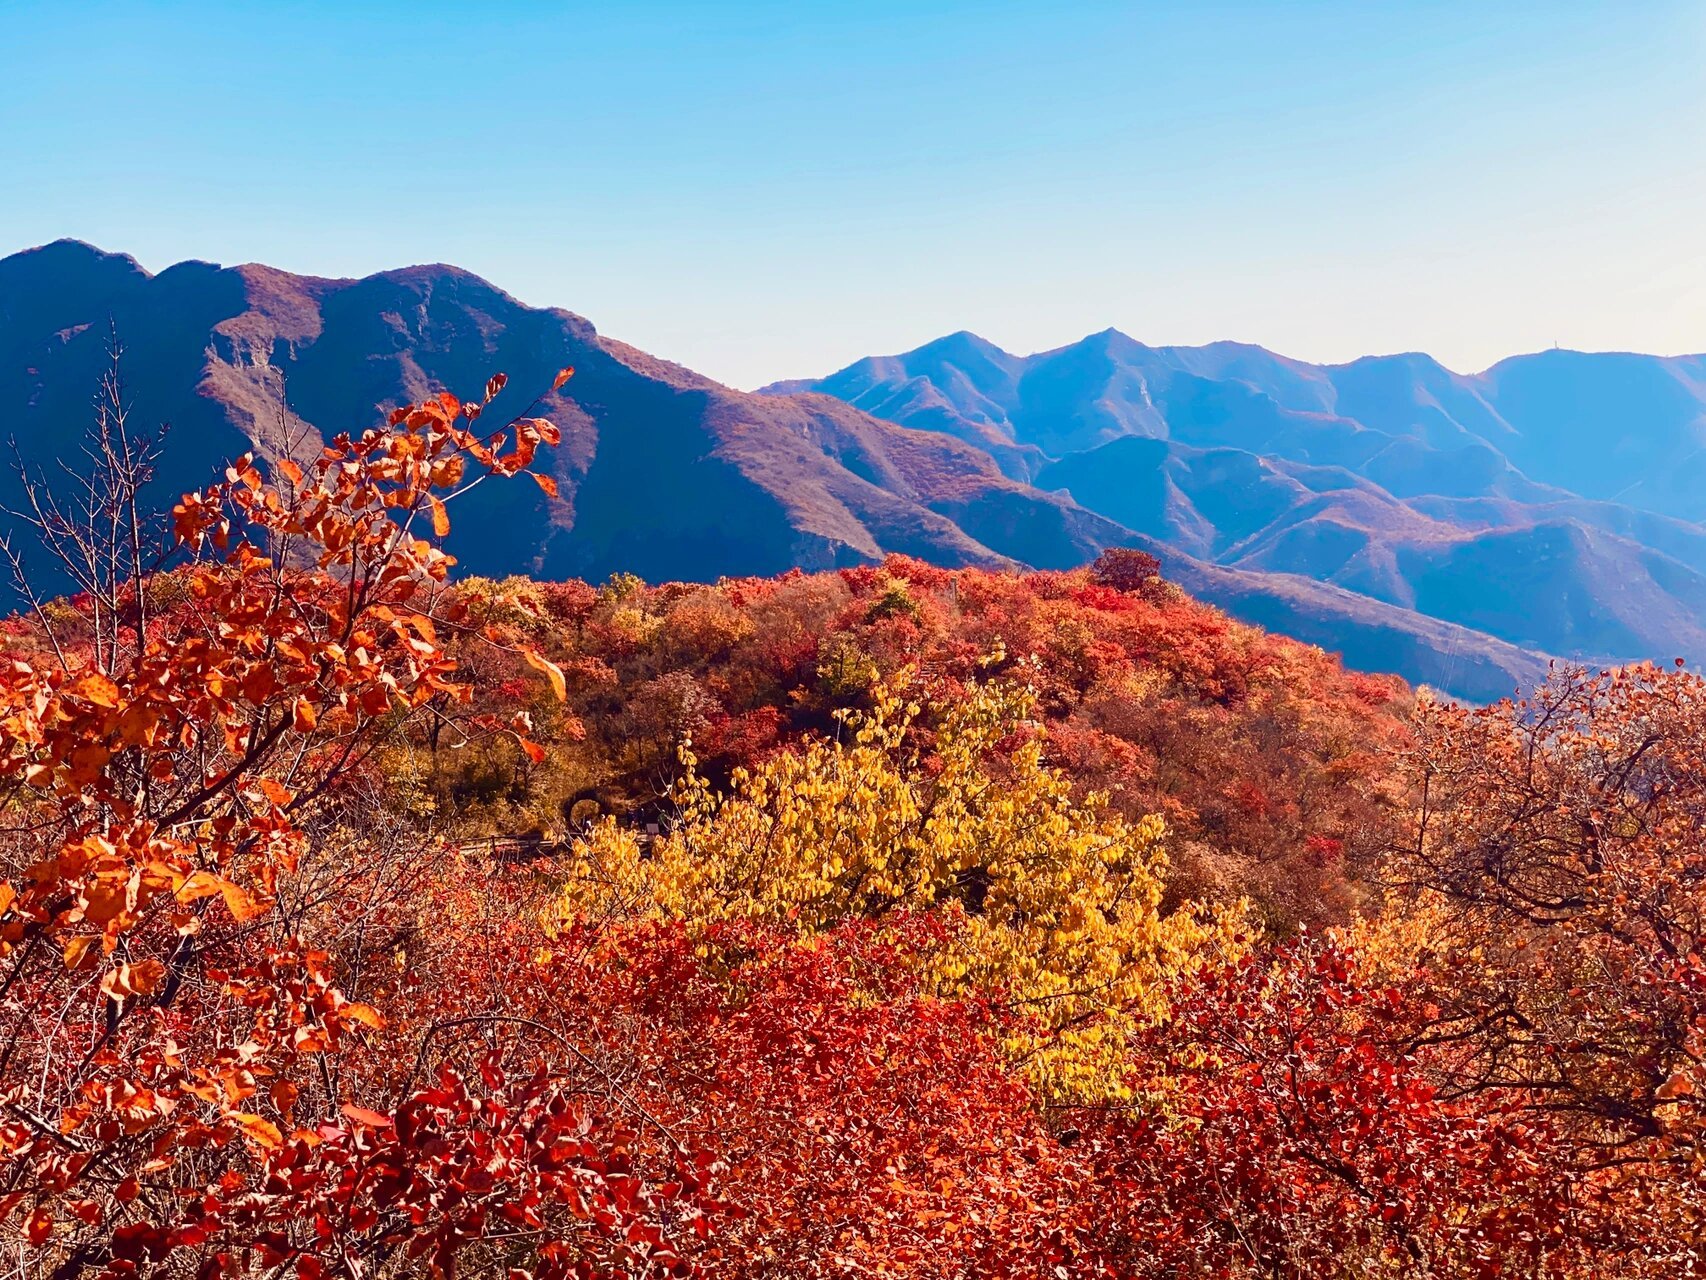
(1458, 530)
(1552, 502)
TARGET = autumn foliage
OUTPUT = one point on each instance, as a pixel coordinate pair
(890, 922)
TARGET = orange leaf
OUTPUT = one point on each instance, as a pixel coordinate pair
(96, 688)
(203, 884)
(544, 482)
(40, 1227)
(530, 431)
(563, 375)
(495, 384)
(361, 1115)
(440, 517)
(304, 716)
(363, 1013)
(132, 979)
(261, 1131)
(291, 471)
(78, 952)
(552, 671)
(242, 906)
(1680, 1085)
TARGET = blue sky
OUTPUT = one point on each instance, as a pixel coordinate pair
(771, 190)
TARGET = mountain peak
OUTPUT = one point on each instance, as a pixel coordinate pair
(959, 344)
(1112, 341)
(70, 247)
(1417, 500)
(77, 257)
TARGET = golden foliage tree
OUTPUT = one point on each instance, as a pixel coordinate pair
(1059, 900)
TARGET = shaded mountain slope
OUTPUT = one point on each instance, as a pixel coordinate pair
(663, 472)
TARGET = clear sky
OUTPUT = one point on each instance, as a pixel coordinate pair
(772, 190)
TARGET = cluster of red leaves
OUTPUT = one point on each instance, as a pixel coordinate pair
(1290, 1117)
(1307, 1137)
(1283, 1122)
(1562, 843)
(511, 1169)
(866, 1128)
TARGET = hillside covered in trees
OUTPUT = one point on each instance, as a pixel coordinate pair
(358, 919)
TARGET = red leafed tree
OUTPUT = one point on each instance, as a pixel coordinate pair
(1302, 1136)
(193, 879)
(1559, 852)
(865, 1128)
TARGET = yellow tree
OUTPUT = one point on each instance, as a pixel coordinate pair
(1056, 900)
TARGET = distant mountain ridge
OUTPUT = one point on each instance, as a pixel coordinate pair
(1554, 501)
(671, 475)
(1534, 420)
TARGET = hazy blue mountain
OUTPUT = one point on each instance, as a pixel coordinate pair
(1622, 428)
(1549, 501)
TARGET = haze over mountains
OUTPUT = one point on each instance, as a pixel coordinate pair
(1455, 529)
(1551, 502)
